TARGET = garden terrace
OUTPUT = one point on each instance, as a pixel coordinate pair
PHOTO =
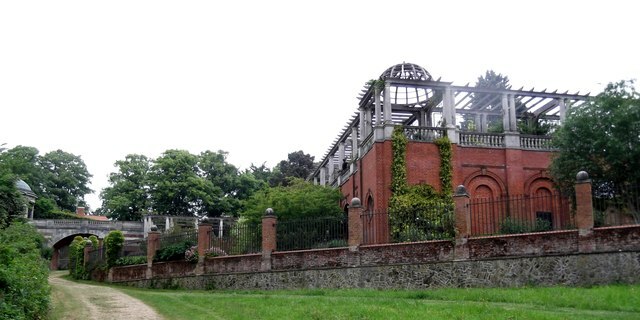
(407, 95)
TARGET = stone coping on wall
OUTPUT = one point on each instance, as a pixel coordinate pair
(405, 243)
(524, 234)
(626, 226)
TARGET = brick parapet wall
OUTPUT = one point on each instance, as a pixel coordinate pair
(229, 264)
(553, 243)
(543, 243)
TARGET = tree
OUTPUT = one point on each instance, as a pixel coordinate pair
(127, 198)
(65, 179)
(11, 202)
(487, 102)
(24, 162)
(297, 165)
(177, 185)
(228, 187)
(300, 199)
(601, 137)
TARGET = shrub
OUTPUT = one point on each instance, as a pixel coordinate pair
(24, 290)
(113, 243)
(173, 252)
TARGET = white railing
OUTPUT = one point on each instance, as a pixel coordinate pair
(426, 134)
(478, 139)
(536, 142)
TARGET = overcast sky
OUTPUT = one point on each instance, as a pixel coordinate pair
(260, 79)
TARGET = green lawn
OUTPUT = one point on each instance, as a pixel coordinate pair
(605, 302)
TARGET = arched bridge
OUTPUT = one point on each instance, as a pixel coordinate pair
(55, 231)
(60, 233)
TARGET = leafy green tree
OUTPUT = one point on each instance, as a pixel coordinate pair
(65, 179)
(261, 173)
(298, 165)
(177, 185)
(11, 202)
(487, 102)
(601, 137)
(300, 199)
(24, 162)
(128, 197)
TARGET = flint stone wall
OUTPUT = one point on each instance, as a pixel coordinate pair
(572, 269)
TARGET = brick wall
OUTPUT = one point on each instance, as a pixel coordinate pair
(543, 243)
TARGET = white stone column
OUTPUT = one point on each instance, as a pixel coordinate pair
(323, 178)
(330, 168)
(378, 107)
(512, 113)
(341, 152)
(563, 110)
(485, 124)
(386, 108)
(449, 114)
(354, 143)
(505, 113)
(362, 122)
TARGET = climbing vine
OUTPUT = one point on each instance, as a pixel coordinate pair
(446, 169)
(419, 212)
(398, 163)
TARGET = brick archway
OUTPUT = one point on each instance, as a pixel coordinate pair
(485, 184)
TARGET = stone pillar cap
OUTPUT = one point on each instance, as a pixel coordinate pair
(582, 176)
(355, 202)
(269, 212)
(461, 191)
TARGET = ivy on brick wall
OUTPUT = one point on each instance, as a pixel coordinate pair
(419, 212)
(398, 163)
(446, 168)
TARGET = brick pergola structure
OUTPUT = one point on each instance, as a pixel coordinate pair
(490, 164)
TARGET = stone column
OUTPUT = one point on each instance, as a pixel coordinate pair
(330, 168)
(513, 126)
(386, 109)
(563, 110)
(354, 143)
(584, 212)
(449, 114)
(355, 224)
(462, 223)
(323, 178)
(505, 113)
(269, 222)
(153, 242)
(378, 107)
(362, 122)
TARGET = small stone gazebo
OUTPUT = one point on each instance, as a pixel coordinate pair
(29, 196)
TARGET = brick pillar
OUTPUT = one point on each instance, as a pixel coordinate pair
(153, 242)
(88, 245)
(204, 237)
(269, 222)
(462, 223)
(204, 241)
(355, 224)
(584, 212)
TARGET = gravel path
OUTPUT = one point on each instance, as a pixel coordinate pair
(101, 302)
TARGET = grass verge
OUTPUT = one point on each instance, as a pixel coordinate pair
(610, 302)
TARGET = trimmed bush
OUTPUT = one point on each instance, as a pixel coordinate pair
(113, 243)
